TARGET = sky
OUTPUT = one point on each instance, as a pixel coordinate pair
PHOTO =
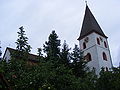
(40, 17)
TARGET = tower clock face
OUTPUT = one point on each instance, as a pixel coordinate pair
(86, 39)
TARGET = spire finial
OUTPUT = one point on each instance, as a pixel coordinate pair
(86, 2)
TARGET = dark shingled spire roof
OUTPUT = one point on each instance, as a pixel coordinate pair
(90, 25)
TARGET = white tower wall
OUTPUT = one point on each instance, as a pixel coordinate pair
(96, 52)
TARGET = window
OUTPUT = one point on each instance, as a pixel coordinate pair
(88, 57)
(84, 45)
(105, 44)
(106, 68)
(98, 41)
(104, 56)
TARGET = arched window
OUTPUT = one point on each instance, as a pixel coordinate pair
(106, 68)
(88, 57)
(105, 44)
(84, 45)
(104, 56)
(98, 41)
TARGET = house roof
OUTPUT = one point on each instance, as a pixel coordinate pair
(31, 57)
(90, 25)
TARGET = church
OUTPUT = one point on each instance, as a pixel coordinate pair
(93, 42)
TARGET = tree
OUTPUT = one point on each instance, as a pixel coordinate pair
(109, 80)
(39, 77)
(78, 64)
(65, 55)
(52, 47)
(22, 45)
(40, 55)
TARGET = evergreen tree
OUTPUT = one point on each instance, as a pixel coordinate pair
(65, 55)
(22, 45)
(52, 47)
(40, 52)
(78, 64)
(40, 55)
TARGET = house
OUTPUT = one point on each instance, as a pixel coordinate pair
(32, 59)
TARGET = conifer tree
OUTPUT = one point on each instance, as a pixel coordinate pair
(78, 64)
(52, 46)
(40, 55)
(40, 52)
(22, 43)
(65, 55)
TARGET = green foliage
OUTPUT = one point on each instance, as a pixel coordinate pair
(40, 52)
(79, 64)
(42, 76)
(40, 55)
(109, 80)
(51, 48)
(65, 54)
(22, 45)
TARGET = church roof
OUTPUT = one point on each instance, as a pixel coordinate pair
(90, 25)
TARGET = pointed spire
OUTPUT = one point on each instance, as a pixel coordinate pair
(90, 25)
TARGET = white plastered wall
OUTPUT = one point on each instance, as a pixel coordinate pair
(7, 56)
(96, 52)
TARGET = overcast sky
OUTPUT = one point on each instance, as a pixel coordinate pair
(40, 17)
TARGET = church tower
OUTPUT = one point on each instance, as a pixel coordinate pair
(93, 42)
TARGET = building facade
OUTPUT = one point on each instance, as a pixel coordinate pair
(93, 42)
(31, 58)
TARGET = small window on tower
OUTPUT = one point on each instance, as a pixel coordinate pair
(84, 45)
(107, 69)
(88, 57)
(105, 44)
(98, 41)
(104, 56)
